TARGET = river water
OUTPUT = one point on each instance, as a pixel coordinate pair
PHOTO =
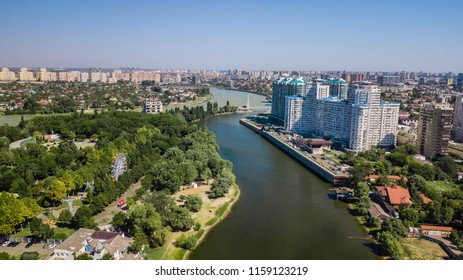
(284, 211)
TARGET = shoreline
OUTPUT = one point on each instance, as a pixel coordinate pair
(217, 222)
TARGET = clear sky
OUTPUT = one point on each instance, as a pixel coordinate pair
(374, 35)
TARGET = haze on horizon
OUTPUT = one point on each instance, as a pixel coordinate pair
(301, 35)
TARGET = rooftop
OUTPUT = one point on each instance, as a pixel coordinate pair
(437, 228)
(398, 195)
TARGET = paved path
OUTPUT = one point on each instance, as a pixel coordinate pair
(104, 218)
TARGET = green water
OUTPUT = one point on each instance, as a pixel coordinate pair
(284, 211)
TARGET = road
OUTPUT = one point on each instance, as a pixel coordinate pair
(103, 219)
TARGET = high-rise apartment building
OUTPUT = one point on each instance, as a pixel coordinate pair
(25, 75)
(361, 119)
(457, 130)
(460, 81)
(434, 129)
(7, 75)
(338, 88)
(283, 87)
(43, 75)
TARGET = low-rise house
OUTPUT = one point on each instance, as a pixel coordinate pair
(343, 193)
(393, 178)
(94, 243)
(436, 230)
(316, 145)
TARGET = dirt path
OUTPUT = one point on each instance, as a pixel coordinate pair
(103, 219)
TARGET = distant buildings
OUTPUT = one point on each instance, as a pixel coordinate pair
(434, 129)
(25, 75)
(7, 75)
(460, 81)
(152, 105)
(360, 119)
(195, 80)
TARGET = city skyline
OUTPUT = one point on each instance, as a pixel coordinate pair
(362, 36)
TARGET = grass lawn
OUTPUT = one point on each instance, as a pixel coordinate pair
(25, 232)
(63, 231)
(442, 185)
(211, 211)
(422, 249)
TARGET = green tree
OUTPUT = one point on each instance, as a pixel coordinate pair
(220, 187)
(29, 256)
(83, 257)
(180, 219)
(362, 190)
(65, 216)
(193, 203)
(108, 257)
(56, 190)
(394, 226)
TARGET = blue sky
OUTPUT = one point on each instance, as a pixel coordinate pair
(301, 35)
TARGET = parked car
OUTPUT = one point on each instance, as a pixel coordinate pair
(6, 243)
(51, 246)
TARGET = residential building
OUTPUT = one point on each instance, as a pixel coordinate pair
(338, 88)
(7, 75)
(283, 87)
(152, 105)
(25, 75)
(360, 119)
(293, 114)
(434, 129)
(94, 243)
(457, 130)
(460, 81)
(43, 75)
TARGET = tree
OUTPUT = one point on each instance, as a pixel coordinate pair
(83, 257)
(108, 257)
(363, 206)
(10, 209)
(119, 220)
(39, 229)
(83, 218)
(220, 187)
(4, 256)
(180, 219)
(391, 245)
(29, 256)
(186, 243)
(362, 190)
(56, 190)
(65, 216)
(448, 164)
(193, 203)
(409, 214)
(394, 226)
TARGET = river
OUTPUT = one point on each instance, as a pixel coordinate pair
(284, 211)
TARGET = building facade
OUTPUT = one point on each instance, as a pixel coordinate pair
(360, 119)
(152, 105)
(7, 75)
(434, 129)
(457, 130)
(283, 87)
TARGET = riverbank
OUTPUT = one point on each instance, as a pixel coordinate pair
(217, 221)
(212, 213)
